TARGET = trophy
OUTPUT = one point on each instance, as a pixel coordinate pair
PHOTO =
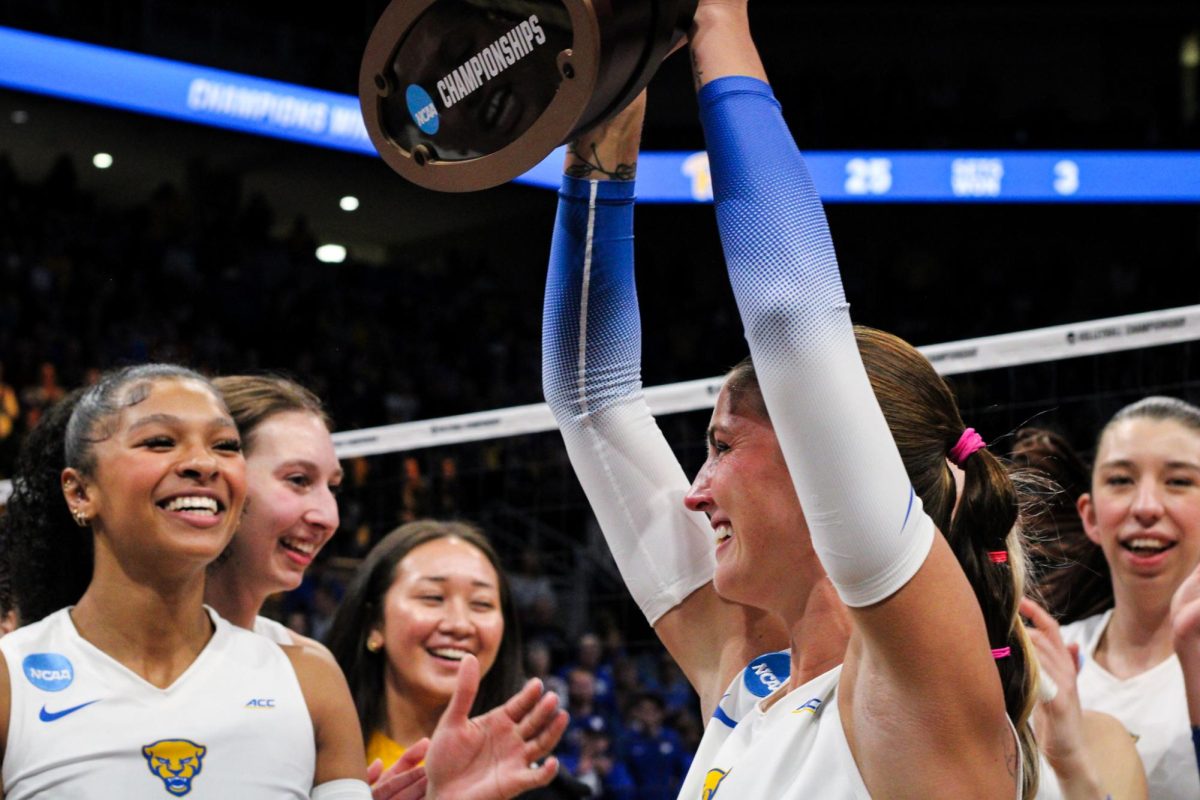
(460, 95)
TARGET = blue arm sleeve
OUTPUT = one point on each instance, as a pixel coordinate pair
(866, 523)
(591, 377)
(591, 331)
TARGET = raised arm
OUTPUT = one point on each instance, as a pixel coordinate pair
(591, 374)
(921, 648)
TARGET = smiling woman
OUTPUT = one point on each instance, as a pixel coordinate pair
(293, 475)
(137, 684)
(1143, 513)
(427, 594)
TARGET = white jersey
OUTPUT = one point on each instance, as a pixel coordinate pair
(1153, 706)
(794, 750)
(275, 631)
(82, 726)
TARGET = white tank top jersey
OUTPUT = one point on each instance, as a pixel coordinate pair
(83, 726)
(1152, 706)
(275, 631)
(795, 750)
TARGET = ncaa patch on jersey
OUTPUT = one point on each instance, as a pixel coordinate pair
(49, 672)
(767, 673)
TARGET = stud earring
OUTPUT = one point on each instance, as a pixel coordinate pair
(374, 644)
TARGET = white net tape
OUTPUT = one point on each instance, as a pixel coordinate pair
(1132, 332)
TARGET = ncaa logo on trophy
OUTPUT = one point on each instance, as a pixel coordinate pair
(460, 95)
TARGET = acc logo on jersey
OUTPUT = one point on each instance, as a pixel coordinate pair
(712, 782)
(767, 673)
(811, 707)
(176, 761)
(49, 672)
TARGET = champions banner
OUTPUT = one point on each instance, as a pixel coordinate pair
(88, 73)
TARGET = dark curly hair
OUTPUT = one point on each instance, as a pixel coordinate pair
(54, 554)
(39, 533)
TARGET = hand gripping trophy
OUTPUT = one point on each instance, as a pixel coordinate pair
(460, 95)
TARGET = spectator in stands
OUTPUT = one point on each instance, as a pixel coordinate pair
(530, 584)
(583, 706)
(655, 754)
(41, 395)
(538, 663)
(597, 766)
(589, 657)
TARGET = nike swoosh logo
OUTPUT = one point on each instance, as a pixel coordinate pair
(50, 716)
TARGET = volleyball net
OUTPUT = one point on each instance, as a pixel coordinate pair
(507, 471)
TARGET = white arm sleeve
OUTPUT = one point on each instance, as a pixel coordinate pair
(344, 789)
(867, 525)
(591, 376)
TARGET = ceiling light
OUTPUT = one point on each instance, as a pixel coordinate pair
(349, 203)
(331, 254)
(102, 161)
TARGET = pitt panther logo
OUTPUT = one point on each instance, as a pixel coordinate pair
(176, 761)
(712, 782)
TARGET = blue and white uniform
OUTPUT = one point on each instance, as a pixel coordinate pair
(871, 536)
(85, 727)
(793, 750)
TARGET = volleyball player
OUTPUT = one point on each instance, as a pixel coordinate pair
(1143, 513)
(908, 667)
(139, 686)
(292, 475)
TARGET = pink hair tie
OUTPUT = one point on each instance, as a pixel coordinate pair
(1001, 652)
(999, 556)
(968, 443)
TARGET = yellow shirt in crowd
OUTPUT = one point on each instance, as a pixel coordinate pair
(382, 747)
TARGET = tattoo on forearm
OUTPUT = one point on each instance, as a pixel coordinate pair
(586, 168)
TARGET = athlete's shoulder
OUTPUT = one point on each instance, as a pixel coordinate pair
(1084, 630)
(49, 631)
